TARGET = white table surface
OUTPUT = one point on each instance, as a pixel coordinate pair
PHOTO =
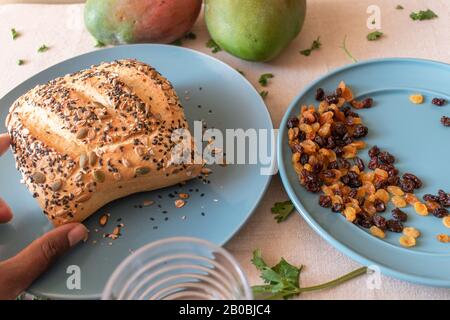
(61, 28)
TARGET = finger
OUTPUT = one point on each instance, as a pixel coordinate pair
(4, 142)
(19, 272)
(5, 212)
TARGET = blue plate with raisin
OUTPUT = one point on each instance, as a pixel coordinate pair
(414, 134)
(218, 205)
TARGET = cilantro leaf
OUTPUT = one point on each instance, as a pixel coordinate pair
(399, 7)
(43, 48)
(14, 34)
(282, 210)
(314, 46)
(264, 79)
(213, 46)
(282, 280)
(264, 94)
(374, 35)
(423, 15)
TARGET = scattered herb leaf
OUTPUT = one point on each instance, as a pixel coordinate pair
(344, 47)
(100, 44)
(374, 35)
(423, 15)
(399, 7)
(282, 210)
(213, 46)
(314, 46)
(20, 62)
(177, 42)
(282, 280)
(264, 94)
(264, 79)
(14, 33)
(190, 36)
(43, 48)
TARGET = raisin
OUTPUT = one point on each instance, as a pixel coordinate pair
(338, 151)
(331, 144)
(373, 163)
(438, 102)
(444, 198)
(317, 167)
(292, 122)
(445, 121)
(320, 141)
(338, 92)
(381, 184)
(325, 201)
(379, 205)
(332, 99)
(407, 186)
(386, 157)
(304, 158)
(379, 221)
(440, 212)
(301, 136)
(339, 129)
(367, 103)
(329, 174)
(313, 186)
(338, 207)
(347, 138)
(374, 151)
(364, 220)
(333, 165)
(353, 193)
(417, 182)
(430, 197)
(399, 215)
(394, 226)
(359, 163)
(393, 181)
(296, 147)
(343, 163)
(360, 131)
(320, 94)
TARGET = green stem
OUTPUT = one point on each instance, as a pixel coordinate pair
(335, 282)
(344, 47)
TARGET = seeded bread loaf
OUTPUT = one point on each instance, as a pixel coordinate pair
(97, 135)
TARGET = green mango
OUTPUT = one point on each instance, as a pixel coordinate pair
(256, 30)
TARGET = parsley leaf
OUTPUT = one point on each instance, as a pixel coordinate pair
(213, 46)
(264, 79)
(14, 34)
(43, 48)
(282, 280)
(20, 62)
(374, 35)
(314, 46)
(264, 94)
(399, 7)
(100, 44)
(423, 15)
(282, 210)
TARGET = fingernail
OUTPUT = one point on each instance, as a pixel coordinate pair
(77, 234)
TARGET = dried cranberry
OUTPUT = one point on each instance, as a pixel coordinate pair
(360, 131)
(379, 221)
(292, 122)
(374, 151)
(338, 207)
(379, 205)
(359, 163)
(325, 201)
(394, 226)
(445, 121)
(367, 103)
(320, 94)
(440, 212)
(399, 215)
(417, 182)
(438, 102)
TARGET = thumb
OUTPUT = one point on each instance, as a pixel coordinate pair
(19, 272)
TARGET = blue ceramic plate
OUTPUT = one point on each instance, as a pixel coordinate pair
(413, 134)
(214, 211)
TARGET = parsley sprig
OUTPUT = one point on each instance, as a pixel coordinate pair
(43, 48)
(213, 46)
(282, 280)
(282, 210)
(264, 79)
(314, 46)
(374, 35)
(423, 15)
(14, 33)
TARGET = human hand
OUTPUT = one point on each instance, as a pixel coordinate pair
(19, 272)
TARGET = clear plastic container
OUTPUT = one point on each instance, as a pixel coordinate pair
(178, 268)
